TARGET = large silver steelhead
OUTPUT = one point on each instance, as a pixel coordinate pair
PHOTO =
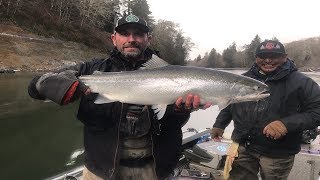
(163, 85)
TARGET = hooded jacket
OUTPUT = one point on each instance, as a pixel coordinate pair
(102, 122)
(294, 100)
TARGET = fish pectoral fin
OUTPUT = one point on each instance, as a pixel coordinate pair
(102, 100)
(159, 110)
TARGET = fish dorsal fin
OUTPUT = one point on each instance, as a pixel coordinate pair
(154, 62)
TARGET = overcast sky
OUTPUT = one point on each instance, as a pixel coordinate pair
(218, 23)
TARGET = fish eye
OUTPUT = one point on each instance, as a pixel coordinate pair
(256, 87)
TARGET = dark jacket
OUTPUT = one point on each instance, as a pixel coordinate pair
(294, 99)
(102, 121)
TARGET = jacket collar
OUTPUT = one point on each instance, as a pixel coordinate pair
(148, 54)
(117, 54)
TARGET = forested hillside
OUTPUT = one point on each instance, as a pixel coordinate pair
(84, 25)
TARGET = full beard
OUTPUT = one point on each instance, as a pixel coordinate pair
(135, 53)
(132, 54)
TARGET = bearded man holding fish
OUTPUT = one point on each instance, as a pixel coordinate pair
(121, 140)
(267, 133)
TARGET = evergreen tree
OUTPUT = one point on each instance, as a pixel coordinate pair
(212, 58)
(163, 39)
(141, 9)
(113, 16)
(229, 56)
(275, 39)
(198, 58)
(173, 46)
(250, 51)
(180, 50)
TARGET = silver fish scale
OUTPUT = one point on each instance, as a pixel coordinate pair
(164, 85)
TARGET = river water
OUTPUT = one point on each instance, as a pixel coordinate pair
(37, 138)
(41, 139)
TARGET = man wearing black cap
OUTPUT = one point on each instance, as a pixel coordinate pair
(267, 133)
(121, 141)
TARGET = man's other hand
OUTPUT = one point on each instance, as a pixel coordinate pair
(275, 130)
(216, 134)
(192, 103)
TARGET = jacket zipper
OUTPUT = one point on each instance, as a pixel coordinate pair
(116, 153)
(152, 150)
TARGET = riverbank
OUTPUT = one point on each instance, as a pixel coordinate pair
(21, 50)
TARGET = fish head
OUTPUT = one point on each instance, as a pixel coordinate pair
(249, 89)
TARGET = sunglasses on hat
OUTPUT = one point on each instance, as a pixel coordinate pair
(269, 55)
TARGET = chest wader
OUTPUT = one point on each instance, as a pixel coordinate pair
(136, 160)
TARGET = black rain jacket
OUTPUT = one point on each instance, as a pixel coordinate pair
(294, 100)
(102, 122)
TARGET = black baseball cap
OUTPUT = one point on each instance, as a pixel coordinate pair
(270, 46)
(131, 19)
